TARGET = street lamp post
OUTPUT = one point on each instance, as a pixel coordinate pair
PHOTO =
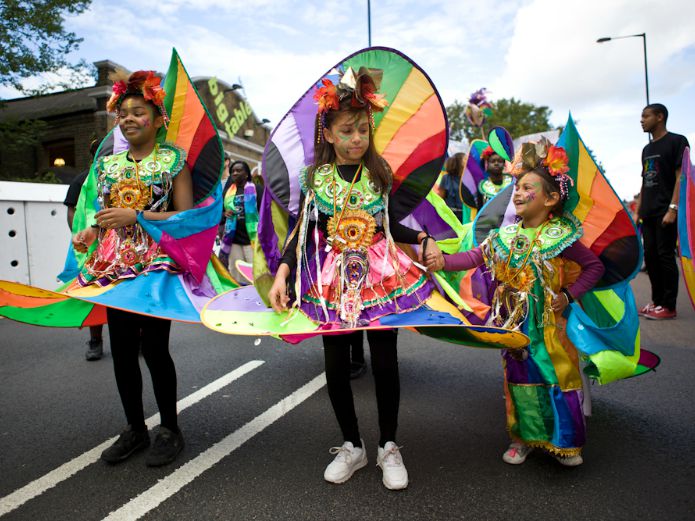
(644, 45)
(369, 22)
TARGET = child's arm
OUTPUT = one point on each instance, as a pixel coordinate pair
(456, 262)
(592, 269)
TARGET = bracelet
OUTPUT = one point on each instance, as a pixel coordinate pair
(673, 207)
(95, 226)
(428, 236)
(568, 296)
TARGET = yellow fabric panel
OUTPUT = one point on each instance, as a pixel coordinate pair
(415, 91)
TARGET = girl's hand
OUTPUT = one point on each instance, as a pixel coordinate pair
(116, 217)
(278, 295)
(434, 260)
(560, 302)
(84, 239)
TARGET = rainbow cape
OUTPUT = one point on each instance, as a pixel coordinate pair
(412, 135)
(686, 224)
(187, 237)
(605, 327)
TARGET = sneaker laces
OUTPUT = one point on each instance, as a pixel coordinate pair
(392, 457)
(342, 453)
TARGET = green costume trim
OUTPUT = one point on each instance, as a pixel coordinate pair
(364, 195)
(555, 235)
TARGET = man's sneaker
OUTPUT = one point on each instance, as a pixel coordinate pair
(660, 313)
(570, 461)
(167, 445)
(645, 309)
(127, 444)
(516, 453)
(348, 459)
(95, 350)
(357, 369)
(395, 476)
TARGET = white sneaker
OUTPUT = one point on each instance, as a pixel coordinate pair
(516, 453)
(348, 459)
(570, 461)
(395, 476)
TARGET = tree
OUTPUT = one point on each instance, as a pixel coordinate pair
(518, 117)
(33, 39)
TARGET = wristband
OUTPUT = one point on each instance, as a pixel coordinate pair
(673, 207)
(567, 294)
(95, 226)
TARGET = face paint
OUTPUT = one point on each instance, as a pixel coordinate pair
(146, 122)
(531, 195)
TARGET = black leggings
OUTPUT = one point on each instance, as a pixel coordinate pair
(384, 354)
(129, 333)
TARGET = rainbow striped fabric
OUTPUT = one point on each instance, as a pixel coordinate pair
(187, 237)
(686, 224)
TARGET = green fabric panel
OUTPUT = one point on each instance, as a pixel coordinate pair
(534, 412)
(609, 366)
(65, 313)
(398, 67)
(536, 334)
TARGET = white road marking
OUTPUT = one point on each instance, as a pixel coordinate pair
(170, 485)
(50, 480)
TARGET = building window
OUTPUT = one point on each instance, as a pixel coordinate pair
(60, 153)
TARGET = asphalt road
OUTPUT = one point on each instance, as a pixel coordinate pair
(257, 443)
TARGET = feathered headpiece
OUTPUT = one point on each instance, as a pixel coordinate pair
(544, 155)
(487, 153)
(478, 108)
(144, 83)
(361, 88)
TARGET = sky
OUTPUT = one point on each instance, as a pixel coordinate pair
(539, 51)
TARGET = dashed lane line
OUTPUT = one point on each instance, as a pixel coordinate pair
(39, 486)
(170, 485)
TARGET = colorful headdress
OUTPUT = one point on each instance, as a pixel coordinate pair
(487, 153)
(143, 83)
(550, 158)
(361, 88)
(478, 108)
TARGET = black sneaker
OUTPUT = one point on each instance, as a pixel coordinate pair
(357, 369)
(127, 444)
(95, 350)
(166, 447)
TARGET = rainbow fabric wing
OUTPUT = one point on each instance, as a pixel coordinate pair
(686, 224)
(473, 173)
(187, 237)
(243, 312)
(605, 328)
(411, 134)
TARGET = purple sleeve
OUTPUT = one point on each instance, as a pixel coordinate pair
(463, 261)
(592, 268)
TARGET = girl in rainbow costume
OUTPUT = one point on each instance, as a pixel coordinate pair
(346, 268)
(538, 267)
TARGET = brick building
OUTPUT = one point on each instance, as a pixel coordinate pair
(73, 119)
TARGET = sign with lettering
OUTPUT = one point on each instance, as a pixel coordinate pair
(228, 118)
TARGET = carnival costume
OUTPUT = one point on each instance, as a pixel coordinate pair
(524, 269)
(338, 230)
(487, 188)
(686, 224)
(175, 253)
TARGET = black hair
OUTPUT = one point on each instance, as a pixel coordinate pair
(658, 108)
(454, 164)
(243, 164)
